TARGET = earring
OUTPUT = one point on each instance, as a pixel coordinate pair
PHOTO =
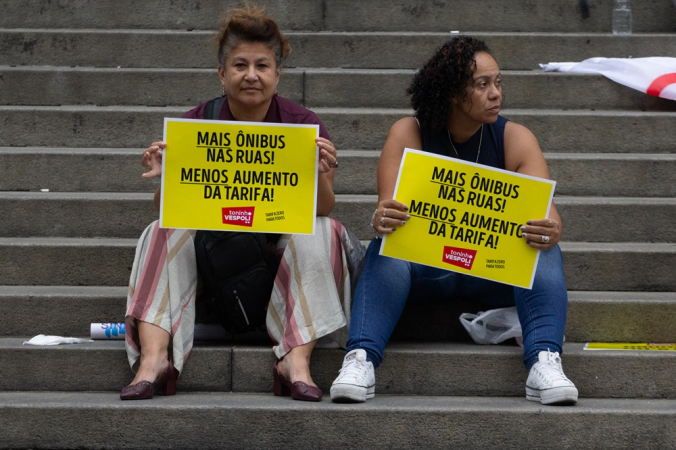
(223, 94)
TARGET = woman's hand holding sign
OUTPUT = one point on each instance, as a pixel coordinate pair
(542, 234)
(328, 156)
(152, 159)
(389, 215)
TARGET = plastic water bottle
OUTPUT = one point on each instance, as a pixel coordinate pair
(621, 18)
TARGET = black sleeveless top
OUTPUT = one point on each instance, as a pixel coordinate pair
(492, 146)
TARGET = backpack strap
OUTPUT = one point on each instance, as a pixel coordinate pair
(213, 109)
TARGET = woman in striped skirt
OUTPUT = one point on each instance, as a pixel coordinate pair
(313, 287)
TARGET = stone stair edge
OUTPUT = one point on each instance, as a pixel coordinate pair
(439, 368)
(514, 50)
(350, 127)
(96, 262)
(650, 247)
(7, 291)
(608, 316)
(343, 198)
(535, 72)
(633, 247)
(264, 402)
(336, 15)
(214, 420)
(288, 33)
(264, 347)
(360, 110)
(351, 153)
(215, 399)
(255, 401)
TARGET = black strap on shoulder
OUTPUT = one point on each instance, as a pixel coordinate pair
(213, 109)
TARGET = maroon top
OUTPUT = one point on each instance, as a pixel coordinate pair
(281, 110)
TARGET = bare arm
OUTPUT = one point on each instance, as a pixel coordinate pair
(523, 155)
(391, 214)
(326, 199)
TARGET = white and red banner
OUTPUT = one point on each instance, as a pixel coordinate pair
(654, 76)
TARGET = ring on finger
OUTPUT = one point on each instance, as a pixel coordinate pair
(545, 239)
(334, 165)
(551, 224)
(384, 213)
(381, 222)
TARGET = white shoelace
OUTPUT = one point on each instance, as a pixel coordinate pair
(553, 368)
(354, 367)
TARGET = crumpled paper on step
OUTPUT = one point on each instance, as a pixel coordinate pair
(41, 339)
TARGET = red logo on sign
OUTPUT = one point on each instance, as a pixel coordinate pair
(460, 257)
(242, 216)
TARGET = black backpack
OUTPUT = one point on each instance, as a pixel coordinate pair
(238, 272)
(237, 269)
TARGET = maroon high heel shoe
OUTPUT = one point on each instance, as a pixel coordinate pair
(298, 390)
(164, 384)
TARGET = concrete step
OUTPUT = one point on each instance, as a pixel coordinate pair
(592, 316)
(522, 89)
(510, 15)
(79, 169)
(211, 420)
(350, 128)
(632, 175)
(73, 169)
(643, 267)
(94, 214)
(313, 87)
(340, 15)
(621, 316)
(107, 262)
(366, 50)
(148, 87)
(59, 310)
(407, 369)
(66, 261)
(181, 14)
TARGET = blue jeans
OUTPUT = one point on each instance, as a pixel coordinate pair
(386, 284)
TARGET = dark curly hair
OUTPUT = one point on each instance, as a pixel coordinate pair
(443, 77)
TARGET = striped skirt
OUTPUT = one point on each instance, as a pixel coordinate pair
(315, 282)
(312, 295)
(162, 290)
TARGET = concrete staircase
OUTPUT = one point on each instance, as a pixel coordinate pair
(84, 86)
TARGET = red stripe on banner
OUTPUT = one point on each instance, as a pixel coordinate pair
(658, 85)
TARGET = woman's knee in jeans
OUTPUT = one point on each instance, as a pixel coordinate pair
(383, 269)
(549, 273)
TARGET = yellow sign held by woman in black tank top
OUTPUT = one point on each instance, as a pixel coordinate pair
(467, 217)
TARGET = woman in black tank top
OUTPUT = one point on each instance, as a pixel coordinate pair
(457, 97)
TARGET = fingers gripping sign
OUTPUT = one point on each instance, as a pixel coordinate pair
(328, 156)
(152, 159)
(389, 215)
(542, 234)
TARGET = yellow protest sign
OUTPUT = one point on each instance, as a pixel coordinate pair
(239, 176)
(629, 346)
(466, 217)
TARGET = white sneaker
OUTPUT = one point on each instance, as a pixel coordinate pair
(547, 383)
(356, 381)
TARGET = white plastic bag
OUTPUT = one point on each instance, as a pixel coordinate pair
(493, 326)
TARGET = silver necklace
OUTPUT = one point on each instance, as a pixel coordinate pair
(478, 152)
